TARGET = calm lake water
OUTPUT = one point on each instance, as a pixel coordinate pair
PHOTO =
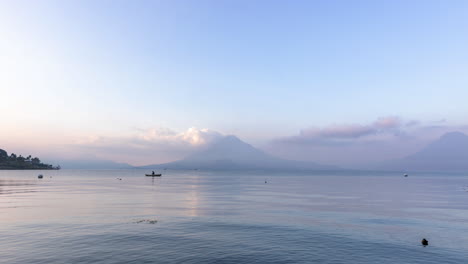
(81, 216)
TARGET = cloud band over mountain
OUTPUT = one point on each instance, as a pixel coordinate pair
(382, 126)
(148, 145)
(338, 144)
(360, 144)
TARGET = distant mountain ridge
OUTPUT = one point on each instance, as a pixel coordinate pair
(232, 153)
(448, 153)
(92, 164)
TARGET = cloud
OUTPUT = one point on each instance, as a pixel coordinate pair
(343, 131)
(353, 145)
(390, 122)
(193, 136)
(145, 146)
(412, 123)
(149, 137)
(347, 133)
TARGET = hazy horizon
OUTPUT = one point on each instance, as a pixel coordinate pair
(340, 83)
(233, 131)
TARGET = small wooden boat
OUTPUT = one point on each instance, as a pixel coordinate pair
(154, 175)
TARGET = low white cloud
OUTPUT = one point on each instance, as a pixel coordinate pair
(347, 132)
(351, 145)
(345, 145)
(337, 131)
(389, 122)
(193, 136)
(146, 146)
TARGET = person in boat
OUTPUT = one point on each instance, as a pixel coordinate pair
(152, 173)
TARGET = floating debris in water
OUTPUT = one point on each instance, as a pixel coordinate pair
(147, 221)
(424, 242)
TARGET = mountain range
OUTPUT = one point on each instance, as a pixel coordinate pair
(91, 164)
(448, 153)
(232, 153)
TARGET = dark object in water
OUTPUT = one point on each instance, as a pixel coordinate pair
(153, 175)
(147, 221)
(406, 175)
(40, 176)
(424, 242)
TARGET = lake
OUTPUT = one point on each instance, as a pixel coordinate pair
(85, 216)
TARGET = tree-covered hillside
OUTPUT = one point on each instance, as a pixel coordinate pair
(14, 162)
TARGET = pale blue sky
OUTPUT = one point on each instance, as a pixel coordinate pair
(257, 69)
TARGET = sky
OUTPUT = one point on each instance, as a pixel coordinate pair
(151, 81)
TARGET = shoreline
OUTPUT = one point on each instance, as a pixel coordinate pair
(29, 168)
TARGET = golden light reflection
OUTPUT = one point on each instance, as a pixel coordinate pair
(193, 201)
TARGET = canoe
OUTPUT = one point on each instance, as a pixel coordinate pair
(153, 175)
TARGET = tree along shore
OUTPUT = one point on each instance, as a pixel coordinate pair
(14, 162)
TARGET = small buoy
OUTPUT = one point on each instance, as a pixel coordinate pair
(424, 242)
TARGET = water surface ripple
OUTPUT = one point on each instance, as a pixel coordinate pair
(84, 216)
